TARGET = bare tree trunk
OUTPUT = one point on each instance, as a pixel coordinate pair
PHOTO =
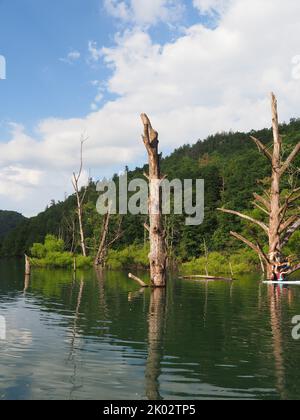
(158, 253)
(104, 246)
(82, 237)
(27, 266)
(206, 257)
(283, 219)
(275, 215)
(80, 200)
(101, 254)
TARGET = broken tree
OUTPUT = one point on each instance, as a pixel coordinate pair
(158, 252)
(282, 213)
(80, 196)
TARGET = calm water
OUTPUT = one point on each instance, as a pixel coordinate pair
(99, 337)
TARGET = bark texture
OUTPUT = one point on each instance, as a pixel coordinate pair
(158, 252)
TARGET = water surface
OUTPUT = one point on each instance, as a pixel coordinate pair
(97, 336)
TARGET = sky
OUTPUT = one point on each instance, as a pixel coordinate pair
(90, 67)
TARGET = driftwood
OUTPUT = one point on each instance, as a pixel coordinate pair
(283, 217)
(207, 278)
(139, 281)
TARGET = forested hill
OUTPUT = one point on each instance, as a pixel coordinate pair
(9, 220)
(229, 163)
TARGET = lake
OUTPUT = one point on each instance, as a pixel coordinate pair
(97, 336)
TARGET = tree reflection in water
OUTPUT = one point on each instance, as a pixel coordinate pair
(156, 325)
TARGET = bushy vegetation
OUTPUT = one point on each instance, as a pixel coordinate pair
(132, 256)
(243, 261)
(52, 254)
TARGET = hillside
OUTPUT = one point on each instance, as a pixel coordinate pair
(9, 220)
(228, 162)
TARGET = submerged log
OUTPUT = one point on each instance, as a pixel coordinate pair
(139, 281)
(207, 278)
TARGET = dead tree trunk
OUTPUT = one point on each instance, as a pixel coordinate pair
(80, 200)
(27, 266)
(104, 245)
(282, 216)
(158, 253)
(275, 213)
(101, 254)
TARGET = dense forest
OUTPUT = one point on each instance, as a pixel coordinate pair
(232, 169)
(9, 220)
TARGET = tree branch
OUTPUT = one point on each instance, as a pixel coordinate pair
(263, 201)
(147, 227)
(289, 222)
(262, 148)
(257, 248)
(250, 219)
(290, 159)
(139, 281)
(293, 269)
(290, 231)
(261, 208)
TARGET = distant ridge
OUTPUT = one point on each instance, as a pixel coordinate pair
(9, 220)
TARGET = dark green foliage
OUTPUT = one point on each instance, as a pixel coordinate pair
(9, 220)
(229, 163)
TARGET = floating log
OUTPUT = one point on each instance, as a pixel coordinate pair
(139, 281)
(207, 278)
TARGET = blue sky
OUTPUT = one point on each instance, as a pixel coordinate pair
(36, 34)
(92, 66)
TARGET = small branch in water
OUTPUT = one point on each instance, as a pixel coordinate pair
(207, 278)
(139, 281)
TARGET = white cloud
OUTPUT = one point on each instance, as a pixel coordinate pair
(211, 6)
(145, 12)
(99, 96)
(205, 81)
(72, 57)
(95, 53)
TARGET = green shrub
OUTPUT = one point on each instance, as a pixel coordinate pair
(52, 254)
(133, 255)
(243, 261)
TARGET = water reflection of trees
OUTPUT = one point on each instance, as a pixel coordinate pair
(156, 330)
(276, 297)
(223, 325)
